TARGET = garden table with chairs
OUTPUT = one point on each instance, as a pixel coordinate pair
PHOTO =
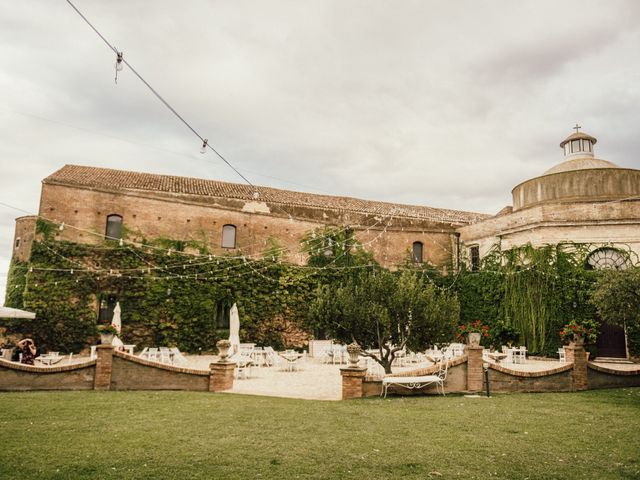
(292, 358)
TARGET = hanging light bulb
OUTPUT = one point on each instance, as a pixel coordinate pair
(203, 149)
(119, 64)
(121, 242)
(61, 227)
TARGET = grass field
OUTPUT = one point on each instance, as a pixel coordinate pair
(180, 435)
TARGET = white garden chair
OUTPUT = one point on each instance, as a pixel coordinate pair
(178, 357)
(562, 355)
(243, 366)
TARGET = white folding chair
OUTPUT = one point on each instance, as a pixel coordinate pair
(152, 354)
(562, 355)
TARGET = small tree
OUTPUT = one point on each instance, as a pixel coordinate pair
(334, 246)
(387, 312)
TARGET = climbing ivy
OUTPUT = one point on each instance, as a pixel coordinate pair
(525, 294)
(165, 300)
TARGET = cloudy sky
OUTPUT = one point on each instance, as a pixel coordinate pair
(446, 104)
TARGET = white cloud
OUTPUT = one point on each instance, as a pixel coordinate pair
(447, 104)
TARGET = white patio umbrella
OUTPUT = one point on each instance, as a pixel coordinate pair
(116, 322)
(6, 312)
(234, 329)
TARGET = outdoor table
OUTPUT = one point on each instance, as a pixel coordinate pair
(292, 359)
(129, 348)
(497, 356)
(49, 358)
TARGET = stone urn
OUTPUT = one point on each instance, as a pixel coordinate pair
(353, 349)
(578, 339)
(106, 338)
(473, 339)
(223, 349)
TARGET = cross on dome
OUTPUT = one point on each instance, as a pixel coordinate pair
(577, 128)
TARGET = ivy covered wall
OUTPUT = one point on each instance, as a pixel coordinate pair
(165, 300)
(525, 295)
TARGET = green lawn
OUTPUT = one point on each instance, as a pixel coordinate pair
(167, 435)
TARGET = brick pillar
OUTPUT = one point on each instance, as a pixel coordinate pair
(221, 376)
(352, 380)
(474, 368)
(104, 363)
(577, 355)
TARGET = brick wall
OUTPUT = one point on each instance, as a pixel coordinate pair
(15, 376)
(23, 237)
(148, 216)
(133, 373)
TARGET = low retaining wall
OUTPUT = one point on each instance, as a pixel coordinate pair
(502, 379)
(16, 376)
(603, 377)
(115, 371)
(465, 375)
(133, 373)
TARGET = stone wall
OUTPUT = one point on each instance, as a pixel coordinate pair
(613, 224)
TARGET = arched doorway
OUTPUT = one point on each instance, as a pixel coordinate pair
(612, 341)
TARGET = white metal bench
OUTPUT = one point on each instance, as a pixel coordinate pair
(416, 382)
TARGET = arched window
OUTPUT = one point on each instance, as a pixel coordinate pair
(417, 252)
(229, 236)
(114, 227)
(474, 254)
(608, 258)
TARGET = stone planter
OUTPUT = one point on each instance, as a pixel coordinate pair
(223, 349)
(473, 339)
(578, 340)
(353, 349)
(106, 338)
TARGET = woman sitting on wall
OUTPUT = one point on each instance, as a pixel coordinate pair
(28, 350)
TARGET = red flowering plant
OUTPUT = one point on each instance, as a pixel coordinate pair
(472, 327)
(587, 329)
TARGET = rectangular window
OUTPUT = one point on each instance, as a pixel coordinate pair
(474, 253)
(18, 242)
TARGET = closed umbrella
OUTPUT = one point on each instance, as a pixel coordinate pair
(6, 312)
(234, 329)
(117, 324)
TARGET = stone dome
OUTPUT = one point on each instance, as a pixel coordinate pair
(584, 163)
(580, 178)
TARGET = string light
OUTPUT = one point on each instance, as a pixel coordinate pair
(203, 149)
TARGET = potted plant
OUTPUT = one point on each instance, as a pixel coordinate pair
(474, 331)
(107, 332)
(579, 332)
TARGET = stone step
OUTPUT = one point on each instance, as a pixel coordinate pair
(612, 360)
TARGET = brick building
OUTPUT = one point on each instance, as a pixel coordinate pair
(97, 203)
